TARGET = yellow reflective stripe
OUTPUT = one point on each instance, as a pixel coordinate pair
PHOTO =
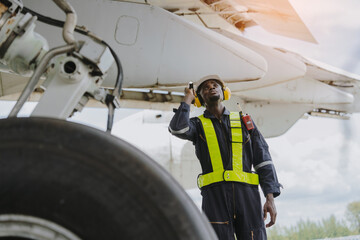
(235, 123)
(245, 177)
(209, 178)
(228, 175)
(235, 116)
(237, 156)
(236, 134)
(212, 143)
(236, 145)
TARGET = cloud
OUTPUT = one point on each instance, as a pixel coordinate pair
(311, 165)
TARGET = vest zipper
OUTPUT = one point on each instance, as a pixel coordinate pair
(252, 235)
(202, 137)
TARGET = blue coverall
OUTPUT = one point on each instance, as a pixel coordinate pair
(231, 207)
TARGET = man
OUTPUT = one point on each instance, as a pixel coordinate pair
(227, 150)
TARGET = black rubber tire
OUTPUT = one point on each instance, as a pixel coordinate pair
(91, 183)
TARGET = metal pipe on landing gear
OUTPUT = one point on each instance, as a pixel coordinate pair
(70, 22)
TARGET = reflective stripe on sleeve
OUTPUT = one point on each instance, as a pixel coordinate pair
(181, 131)
(262, 164)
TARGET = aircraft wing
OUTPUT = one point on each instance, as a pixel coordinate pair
(293, 87)
(163, 45)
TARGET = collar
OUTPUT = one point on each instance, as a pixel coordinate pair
(208, 114)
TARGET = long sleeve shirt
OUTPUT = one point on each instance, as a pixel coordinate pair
(255, 149)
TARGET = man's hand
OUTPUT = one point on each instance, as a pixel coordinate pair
(189, 95)
(269, 207)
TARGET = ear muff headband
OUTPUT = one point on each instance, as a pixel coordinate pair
(197, 102)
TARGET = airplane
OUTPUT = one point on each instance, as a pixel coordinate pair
(68, 180)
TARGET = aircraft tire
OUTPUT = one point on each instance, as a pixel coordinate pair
(64, 178)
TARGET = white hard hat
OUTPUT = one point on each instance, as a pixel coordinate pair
(206, 78)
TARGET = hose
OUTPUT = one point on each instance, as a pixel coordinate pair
(82, 30)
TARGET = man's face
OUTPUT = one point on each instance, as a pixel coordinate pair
(211, 91)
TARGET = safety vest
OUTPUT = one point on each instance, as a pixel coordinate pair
(219, 174)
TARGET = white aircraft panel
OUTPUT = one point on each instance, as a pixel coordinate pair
(272, 119)
(206, 53)
(160, 48)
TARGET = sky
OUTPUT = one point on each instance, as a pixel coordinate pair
(334, 24)
(318, 159)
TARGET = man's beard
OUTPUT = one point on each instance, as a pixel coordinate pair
(214, 98)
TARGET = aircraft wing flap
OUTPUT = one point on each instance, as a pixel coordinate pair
(279, 17)
(297, 91)
(328, 74)
(325, 73)
(331, 75)
(276, 16)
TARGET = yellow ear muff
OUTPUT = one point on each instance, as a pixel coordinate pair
(197, 101)
(227, 93)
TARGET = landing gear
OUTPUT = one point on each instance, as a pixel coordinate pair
(80, 183)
